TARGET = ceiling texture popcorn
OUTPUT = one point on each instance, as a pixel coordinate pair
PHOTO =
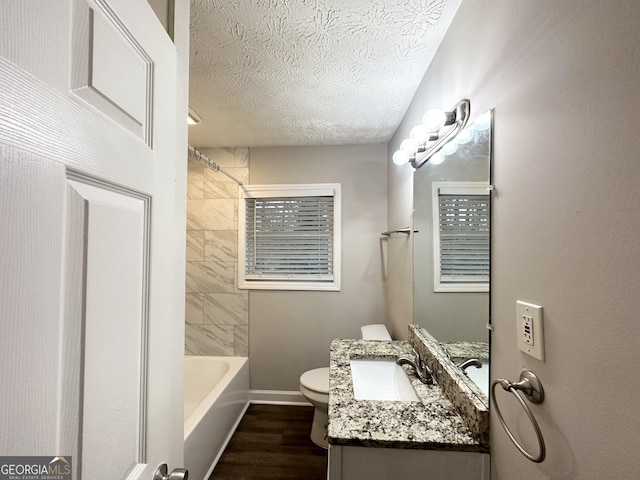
(308, 72)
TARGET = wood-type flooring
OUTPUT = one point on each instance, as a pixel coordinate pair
(272, 443)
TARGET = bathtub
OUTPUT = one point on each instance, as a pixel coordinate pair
(216, 395)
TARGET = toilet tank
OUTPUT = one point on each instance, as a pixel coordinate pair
(375, 331)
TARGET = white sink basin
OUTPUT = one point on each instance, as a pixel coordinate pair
(380, 379)
(480, 376)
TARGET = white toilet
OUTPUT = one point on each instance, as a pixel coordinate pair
(314, 385)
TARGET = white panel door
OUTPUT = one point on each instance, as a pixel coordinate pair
(92, 182)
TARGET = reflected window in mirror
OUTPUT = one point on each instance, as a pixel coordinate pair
(460, 236)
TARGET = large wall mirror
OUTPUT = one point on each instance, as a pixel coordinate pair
(451, 248)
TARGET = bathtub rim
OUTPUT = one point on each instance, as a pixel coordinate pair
(235, 365)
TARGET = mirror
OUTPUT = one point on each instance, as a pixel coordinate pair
(451, 301)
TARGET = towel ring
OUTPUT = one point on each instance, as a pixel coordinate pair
(532, 389)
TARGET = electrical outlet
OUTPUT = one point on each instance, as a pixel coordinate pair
(529, 329)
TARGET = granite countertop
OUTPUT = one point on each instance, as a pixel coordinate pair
(460, 351)
(431, 423)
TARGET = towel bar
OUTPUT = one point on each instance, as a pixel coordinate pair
(530, 385)
(406, 230)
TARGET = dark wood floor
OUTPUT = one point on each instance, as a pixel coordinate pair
(272, 443)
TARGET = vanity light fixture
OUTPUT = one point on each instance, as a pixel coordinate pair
(437, 129)
(483, 122)
(193, 118)
(465, 136)
(449, 148)
(437, 158)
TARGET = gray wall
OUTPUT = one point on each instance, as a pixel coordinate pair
(290, 332)
(564, 78)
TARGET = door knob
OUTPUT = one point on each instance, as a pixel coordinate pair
(176, 473)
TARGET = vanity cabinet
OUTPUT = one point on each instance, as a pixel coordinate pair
(368, 463)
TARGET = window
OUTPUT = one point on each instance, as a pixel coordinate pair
(289, 237)
(461, 236)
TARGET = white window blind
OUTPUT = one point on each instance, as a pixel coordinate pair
(290, 238)
(462, 237)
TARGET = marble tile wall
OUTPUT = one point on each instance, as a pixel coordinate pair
(217, 313)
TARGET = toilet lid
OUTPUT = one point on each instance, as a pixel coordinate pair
(316, 379)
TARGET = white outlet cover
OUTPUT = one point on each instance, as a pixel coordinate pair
(531, 342)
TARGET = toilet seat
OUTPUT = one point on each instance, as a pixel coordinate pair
(314, 386)
(316, 380)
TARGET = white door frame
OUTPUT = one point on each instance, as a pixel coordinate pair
(46, 134)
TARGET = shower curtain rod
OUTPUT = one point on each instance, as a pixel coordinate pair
(198, 155)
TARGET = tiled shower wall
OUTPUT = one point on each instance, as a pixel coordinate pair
(216, 311)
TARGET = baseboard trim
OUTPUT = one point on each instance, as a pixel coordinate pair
(278, 397)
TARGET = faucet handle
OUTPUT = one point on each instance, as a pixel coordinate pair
(423, 363)
(425, 374)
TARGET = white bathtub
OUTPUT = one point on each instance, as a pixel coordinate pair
(216, 395)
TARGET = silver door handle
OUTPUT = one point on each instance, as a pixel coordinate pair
(176, 473)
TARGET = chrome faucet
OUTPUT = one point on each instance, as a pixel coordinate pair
(424, 373)
(469, 363)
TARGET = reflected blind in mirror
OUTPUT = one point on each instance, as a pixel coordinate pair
(464, 238)
(461, 235)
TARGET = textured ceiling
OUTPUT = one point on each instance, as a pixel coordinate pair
(308, 72)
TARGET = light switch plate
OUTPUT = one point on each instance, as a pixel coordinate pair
(530, 329)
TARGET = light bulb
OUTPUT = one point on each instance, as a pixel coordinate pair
(419, 133)
(483, 122)
(437, 158)
(465, 136)
(193, 118)
(450, 148)
(401, 157)
(434, 119)
(409, 145)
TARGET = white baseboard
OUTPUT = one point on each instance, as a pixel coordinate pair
(277, 397)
